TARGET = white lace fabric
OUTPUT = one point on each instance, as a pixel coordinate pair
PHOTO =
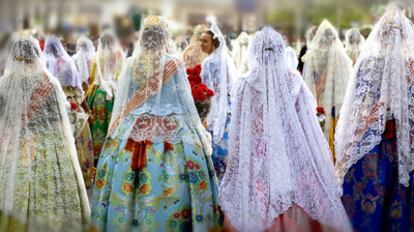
(41, 183)
(167, 106)
(291, 58)
(109, 60)
(239, 52)
(327, 69)
(353, 43)
(381, 88)
(193, 55)
(60, 64)
(217, 73)
(85, 52)
(278, 156)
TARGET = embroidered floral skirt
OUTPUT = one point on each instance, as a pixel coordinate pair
(48, 194)
(84, 148)
(101, 110)
(373, 197)
(155, 177)
(220, 151)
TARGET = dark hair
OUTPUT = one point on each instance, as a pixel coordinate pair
(216, 42)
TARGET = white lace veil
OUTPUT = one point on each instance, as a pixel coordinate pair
(152, 56)
(381, 88)
(353, 43)
(109, 60)
(291, 58)
(221, 66)
(193, 55)
(4, 51)
(309, 35)
(278, 156)
(60, 64)
(327, 69)
(32, 108)
(85, 51)
(239, 52)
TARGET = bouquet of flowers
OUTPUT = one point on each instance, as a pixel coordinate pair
(320, 113)
(77, 117)
(201, 93)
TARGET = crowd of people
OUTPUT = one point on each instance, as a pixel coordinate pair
(253, 139)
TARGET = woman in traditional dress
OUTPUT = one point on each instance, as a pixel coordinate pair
(239, 52)
(100, 96)
(326, 72)
(155, 172)
(41, 185)
(280, 175)
(375, 134)
(62, 66)
(353, 43)
(193, 54)
(310, 33)
(217, 73)
(85, 52)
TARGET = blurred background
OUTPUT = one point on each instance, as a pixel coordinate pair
(292, 17)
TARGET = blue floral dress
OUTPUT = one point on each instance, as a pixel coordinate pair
(210, 76)
(373, 197)
(153, 173)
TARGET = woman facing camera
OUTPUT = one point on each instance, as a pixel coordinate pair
(217, 73)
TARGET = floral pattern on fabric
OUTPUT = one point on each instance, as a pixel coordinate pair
(84, 148)
(101, 109)
(220, 151)
(373, 197)
(176, 190)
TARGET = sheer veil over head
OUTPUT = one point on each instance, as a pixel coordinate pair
(240, 50)
(193, 54)
(310, 33)
(278, 156)
(221, 68)
(156, 77)
(327, 70)
(109, 60)
(60, 64)
(381, 88)
(148, 59)
(34, 121)
(353, 43)
(83, 58)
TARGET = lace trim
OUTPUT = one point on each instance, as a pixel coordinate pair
(148, 127)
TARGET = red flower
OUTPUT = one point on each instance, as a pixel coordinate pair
(200, 96)
(190, 164)
(185, 213)
(197, 69)
(73, 106)
(176, 215)
(42, 44)
(320, 110)
(199, 90)
(189, 71)
(194, 79)
(209, 92)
